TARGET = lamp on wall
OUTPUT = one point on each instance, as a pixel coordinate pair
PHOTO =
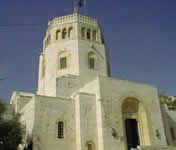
(157, 133)
(114, 133)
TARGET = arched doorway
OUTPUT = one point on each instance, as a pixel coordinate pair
(135, 123)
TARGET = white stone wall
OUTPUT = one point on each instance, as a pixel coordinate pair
(86, 121)
(113, 92)
(27, 118)
(48, 111)
(86, 100)
(169, 119)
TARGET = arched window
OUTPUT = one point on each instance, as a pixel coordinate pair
(88, 34)
(48, 40)
(94, 35)
(63, 60)
(90, 145)
(83, 32)
(70, 32)
(58, 35)
(64, 33)
(60, 130)
(92, 60)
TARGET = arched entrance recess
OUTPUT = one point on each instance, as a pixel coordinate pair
(135, 123)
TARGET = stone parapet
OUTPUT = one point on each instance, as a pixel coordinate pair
(72, 18)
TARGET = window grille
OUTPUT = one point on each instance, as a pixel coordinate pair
(60, 130)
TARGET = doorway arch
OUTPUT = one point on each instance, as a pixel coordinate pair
(135, 123)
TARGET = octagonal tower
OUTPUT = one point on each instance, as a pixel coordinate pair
(73, 45)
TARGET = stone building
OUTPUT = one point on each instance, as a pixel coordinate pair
(78, 105)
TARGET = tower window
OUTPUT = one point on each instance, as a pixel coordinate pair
(91, 63)
(49, 39)
(58, 34)
(70, 32)
(60, 130)
(64, 33)
(172, 133)
(92, 60)
(63, 62)
(88, 34)
(43, 68)
(94, 35)
(83, 30)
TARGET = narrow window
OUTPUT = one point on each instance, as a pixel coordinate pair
(172, 133)
(43, 68)
(49, 39)
(58, 35)
(91, 63)
(89, 146)
(102, 38)
(45, 43)
(88, 34)
(94, 35)
(83, 30)
(63, 62)
(64, 33)
(70, 32)
(60, 130)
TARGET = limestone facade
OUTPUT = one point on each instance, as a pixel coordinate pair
(78, 105)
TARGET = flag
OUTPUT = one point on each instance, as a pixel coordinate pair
(81, 3)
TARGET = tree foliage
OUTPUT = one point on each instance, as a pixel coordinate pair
(168, 100)
(11, 131)
(2, 108)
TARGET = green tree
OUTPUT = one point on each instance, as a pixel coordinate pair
(170, 102)
(11, 131)
(2, 108)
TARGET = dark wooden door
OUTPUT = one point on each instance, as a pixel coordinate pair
(132, 134)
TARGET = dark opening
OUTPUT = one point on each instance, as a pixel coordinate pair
(60, 130)
(91, 63)
(63, 62)
(88, 34)
(132, 134)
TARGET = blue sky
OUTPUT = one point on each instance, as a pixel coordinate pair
(140, 36)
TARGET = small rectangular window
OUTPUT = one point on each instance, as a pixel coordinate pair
(91, 63)
(63, 62)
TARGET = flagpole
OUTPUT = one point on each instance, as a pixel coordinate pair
(75, 6)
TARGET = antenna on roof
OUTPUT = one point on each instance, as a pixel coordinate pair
(75, 6)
